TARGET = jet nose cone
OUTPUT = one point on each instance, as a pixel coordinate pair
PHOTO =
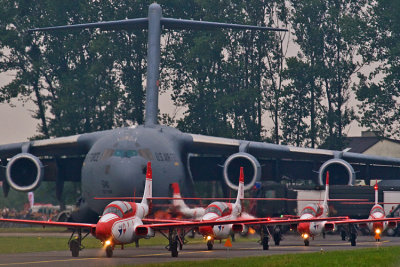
(103, 231)
(303, 228)
(206, 230)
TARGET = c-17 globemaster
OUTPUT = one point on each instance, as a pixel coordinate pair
(111, 163)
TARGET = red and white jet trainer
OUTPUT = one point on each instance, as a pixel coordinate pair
(376, 222)
(314, 210)
(377, 212)
(116, 226)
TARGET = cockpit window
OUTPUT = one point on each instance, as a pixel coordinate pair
(313, 209)
(125, 153)
(377, 209)
(114, 210)
(214, 209)
(308, 211)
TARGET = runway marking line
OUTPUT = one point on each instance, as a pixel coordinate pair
(137, 256)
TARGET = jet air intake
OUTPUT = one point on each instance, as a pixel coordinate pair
(24, 172)
(251, 166)
(340, 171)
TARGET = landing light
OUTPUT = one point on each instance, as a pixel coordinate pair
(305, 236)
(209, 238)
(107, 243)
(378, 231)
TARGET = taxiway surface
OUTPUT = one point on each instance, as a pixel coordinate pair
(190, 252)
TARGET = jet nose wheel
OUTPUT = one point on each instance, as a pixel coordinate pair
(109, 251)
(74, 246)
(306, 242)
(210, 245)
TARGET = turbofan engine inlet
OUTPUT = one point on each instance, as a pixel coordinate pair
(24, 172)
(251, 166)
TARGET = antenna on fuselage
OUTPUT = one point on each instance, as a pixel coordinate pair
(154, 21)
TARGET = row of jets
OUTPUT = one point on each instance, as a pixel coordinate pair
(125, 222)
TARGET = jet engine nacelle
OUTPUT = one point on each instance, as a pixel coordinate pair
(232, 166)
(24, 172)
(340, 172)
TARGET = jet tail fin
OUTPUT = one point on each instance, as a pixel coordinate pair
(240, 194)
(326, 197)
(178, 203)
(376, 192)
(148, 187)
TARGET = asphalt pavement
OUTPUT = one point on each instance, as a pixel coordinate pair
(190, 252)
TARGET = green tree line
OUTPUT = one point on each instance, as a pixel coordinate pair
(237, 84)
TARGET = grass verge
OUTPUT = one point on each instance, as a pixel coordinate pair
(371, 257)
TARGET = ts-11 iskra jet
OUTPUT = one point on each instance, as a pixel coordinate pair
(117, 225)
(377, 221)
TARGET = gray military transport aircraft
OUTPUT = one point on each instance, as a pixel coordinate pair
(113, 163)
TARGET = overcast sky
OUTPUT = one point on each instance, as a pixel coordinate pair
(17, 124)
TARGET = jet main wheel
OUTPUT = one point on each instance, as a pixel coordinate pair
(277, 238)
(174, 247)
(210, 245)
(74, 247)
(265, 243)
(109, 251)
(306, 242)
(353, 239)
(343, 234)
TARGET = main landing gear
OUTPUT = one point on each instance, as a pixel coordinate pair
(352, 234)
(277, 235)
(175, 242)
(264, 237)
(75, 243)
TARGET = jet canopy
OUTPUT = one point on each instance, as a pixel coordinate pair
(219, 208)
(119, 208)
(313, 209)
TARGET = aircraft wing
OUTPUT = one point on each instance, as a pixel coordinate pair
(330, 226)
(50, 223)
(277, 161)
(362, 221)
(63, 155)
(257, 221)
(197, 143)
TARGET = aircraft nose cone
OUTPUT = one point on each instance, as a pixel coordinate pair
(377, 225)
(206, 230)
(303, 228)
(103, 231)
